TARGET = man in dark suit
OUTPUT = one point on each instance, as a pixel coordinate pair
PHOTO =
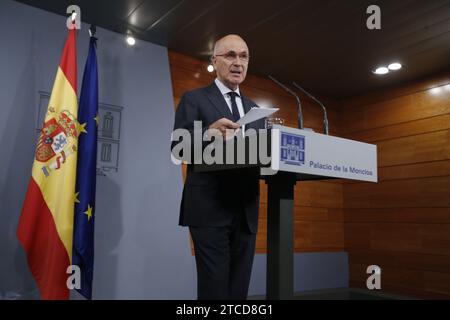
(221, 207)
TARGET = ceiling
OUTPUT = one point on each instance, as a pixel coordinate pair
(322, 44)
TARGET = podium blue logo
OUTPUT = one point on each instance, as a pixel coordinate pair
(292, 149)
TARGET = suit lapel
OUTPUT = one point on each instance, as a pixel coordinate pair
(216, 98)
(247, 104)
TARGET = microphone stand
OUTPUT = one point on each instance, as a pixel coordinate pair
(325, 117)
(299, 104)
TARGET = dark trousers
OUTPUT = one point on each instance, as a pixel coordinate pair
(224, 258)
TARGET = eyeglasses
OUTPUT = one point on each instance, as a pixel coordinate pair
(231, 56)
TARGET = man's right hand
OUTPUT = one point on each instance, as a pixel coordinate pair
(226, 127)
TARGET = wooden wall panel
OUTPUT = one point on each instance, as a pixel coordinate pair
(306, 213)
(313, 194)
(402, 90)
(316, 229)
(415, 170)
(402, 223)
(309, 236)
(424, 238)
(417, 215)
(406, 193)
(406, 129)
(416, 106)
(413, 261)
(414, 149)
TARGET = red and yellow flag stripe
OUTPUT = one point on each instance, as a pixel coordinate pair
(46, 224)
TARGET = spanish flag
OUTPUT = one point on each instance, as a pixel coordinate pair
(46, 224)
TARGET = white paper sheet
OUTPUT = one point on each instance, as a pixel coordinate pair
(256, 114)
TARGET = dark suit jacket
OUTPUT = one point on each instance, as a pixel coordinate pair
(212, 199)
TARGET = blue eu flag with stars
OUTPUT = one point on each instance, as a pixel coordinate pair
(88, 118)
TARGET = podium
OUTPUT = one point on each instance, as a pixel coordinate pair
(301, 155)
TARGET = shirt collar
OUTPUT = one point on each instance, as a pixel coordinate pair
(224, 89)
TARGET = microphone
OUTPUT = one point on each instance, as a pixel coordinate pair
(325, 117)
(299, 104)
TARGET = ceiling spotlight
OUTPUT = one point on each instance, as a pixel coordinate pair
(436, 90)
(395, 66)
(131, 40)
(210, 68)
(381, 70)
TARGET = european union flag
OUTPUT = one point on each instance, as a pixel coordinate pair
(88, 118)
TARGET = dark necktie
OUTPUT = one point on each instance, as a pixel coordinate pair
(234, 108)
